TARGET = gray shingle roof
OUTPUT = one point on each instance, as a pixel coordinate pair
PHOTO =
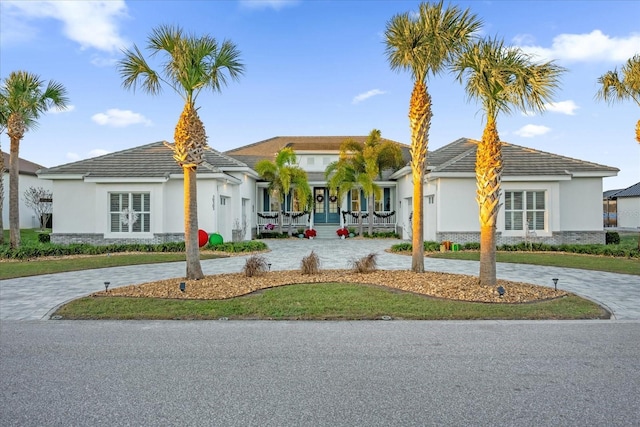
(460, 155)
(268, 148)
(633, 191)
(25, 167)
(151, 160)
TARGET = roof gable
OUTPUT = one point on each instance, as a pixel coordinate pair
(151, 160)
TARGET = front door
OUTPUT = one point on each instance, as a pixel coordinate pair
(325, 207)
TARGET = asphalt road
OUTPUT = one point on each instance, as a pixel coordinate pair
(361, 373)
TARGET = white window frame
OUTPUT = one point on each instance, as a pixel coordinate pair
(128, 218)
(528, 212)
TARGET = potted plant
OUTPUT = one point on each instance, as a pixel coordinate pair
(310, 233)
(342, 232)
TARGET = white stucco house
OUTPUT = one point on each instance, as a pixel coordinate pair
(27, 177)
(622, 207)
(135, 195)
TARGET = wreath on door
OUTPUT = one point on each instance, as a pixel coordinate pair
(319, 198)
(333, 199)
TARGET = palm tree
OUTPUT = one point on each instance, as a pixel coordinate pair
(349, 172)
(284, 176)
(358, 167)
(501, 79)
(24, 97)
(425, 44)
(191, 64)
(612, 88)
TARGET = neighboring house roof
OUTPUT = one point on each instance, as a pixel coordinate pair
(151, 160)
(610, 194)
(460, 156)
(633, 191)
(268, 148)
(25, 167)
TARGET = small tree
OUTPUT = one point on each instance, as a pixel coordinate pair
(40, 200)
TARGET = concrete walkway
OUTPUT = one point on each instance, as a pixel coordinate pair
(32, 298)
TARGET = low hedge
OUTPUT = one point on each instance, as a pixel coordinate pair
(238, 247)
(593, 249)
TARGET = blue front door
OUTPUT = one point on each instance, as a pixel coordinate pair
(325, 207)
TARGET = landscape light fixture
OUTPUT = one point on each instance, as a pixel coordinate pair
(500, 291)
(183, 286)
(555, 283)
(106, 286)
(269, 265)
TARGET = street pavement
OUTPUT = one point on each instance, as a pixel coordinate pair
(34, 298)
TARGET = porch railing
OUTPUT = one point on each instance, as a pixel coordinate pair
(267, 219)
(380, 219)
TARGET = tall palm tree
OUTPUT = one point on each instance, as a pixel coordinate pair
(191, 64)
(24, 97)
(613, 88)
(285, 176)
(3, 126)
(423, 44)
(502, 79)
(360, 165)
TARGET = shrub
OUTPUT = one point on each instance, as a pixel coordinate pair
(366, 264)
(342, 232)
(612, 238)
(471, 246)
(44, 237)
(401, 247)
(310, 232)
(255, 265)
(431, 246)
(310, 264)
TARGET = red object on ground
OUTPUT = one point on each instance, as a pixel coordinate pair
(203, 238)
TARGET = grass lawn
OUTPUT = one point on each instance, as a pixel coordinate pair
(326, 301)
(555, 259)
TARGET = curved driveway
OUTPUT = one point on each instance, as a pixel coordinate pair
(35, 297)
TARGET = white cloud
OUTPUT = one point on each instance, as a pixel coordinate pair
(563, 107)
(594, 46)
(92, 24)
(529, 131)
(74, 157)
(120, 118)
(69, 109)
(366, 95)
(267, 4)
(98, 152)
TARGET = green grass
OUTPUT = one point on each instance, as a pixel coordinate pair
(554, 259)
(326, 301)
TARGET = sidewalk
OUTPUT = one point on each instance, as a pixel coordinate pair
(33, 298)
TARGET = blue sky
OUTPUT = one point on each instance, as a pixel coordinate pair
(315, 68)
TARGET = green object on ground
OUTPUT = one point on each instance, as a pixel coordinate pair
(215, 239)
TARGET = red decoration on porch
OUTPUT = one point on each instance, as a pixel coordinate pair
(203, 238)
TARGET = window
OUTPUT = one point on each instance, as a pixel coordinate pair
(431, 199)
(311, 160)
(355, 200)
(383, 205)
(524, 208)
(130, 212)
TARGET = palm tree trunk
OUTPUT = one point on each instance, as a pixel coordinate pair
(370, 202)
(194, 269)
(14, 177)
(420, 121)
(488, 177)
(1, 197)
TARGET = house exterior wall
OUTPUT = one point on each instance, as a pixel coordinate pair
(81, 210)
(27, 215)
(457, 212)
(404, 206)
(581, 204)
(315, 162)
(629, 212)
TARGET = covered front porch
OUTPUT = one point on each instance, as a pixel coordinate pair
(327, 212)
